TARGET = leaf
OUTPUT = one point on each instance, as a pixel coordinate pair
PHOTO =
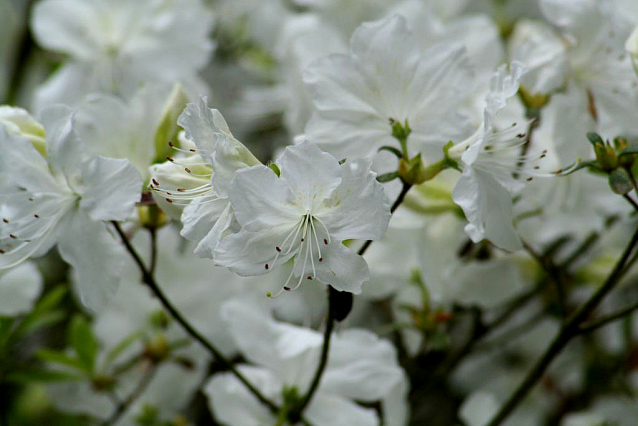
(83, 341)
(44, 320)
(594, 138)
(5, 331)
(620, 182)
(387, 177)
(29, 375)
(630, 150)
(61, 358)
(34, 319)
(121, 347)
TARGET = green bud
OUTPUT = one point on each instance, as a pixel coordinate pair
(620, 182)
(159, 319)
(605, 153)
(151, 217)
(157, 349)
(102, 383)
(414, 172)
(401, 132)
(275, 169)
(595, 138)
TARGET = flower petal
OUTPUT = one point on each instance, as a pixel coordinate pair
(342, 268)
(111, 188)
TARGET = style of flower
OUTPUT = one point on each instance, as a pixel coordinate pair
(385, 79)
(198, 180)
(65, 199)
(305, 214)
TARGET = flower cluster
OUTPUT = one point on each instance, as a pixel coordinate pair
(421, 207)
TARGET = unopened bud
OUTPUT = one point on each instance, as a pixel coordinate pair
(157, 349)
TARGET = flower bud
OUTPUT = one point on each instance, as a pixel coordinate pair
(157, 349)
(18, 121)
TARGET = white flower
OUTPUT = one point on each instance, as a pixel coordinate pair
(65, 200)
(117, 45)
(305, 214)
(631, 45)
(386, 78)
(205, 172)
(361, 367)
(488, 158)
(19, 288)
(18, 121)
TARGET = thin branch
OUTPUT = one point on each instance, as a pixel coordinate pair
(554, 273)
(332, 295)
(631, 201)
(153, 232)
(124, 405)
(323, 361)
(601, 322)
(152, 284)
(570, 329)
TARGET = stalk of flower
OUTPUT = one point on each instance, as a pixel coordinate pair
(305, 214)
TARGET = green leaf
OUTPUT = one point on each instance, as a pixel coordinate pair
(5, 331)
(121, 347)
(83, 341)
(44, 320)
(387, 177)
(620, 182)
(61, 358)
(29, 375)
(34, 319)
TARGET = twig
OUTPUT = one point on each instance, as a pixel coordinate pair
(631, 201)
(153, 232)
(554, 273)
(124, 405)
(570, 329)
(601, 322)
(152, 284)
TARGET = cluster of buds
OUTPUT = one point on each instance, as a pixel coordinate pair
(617, 160)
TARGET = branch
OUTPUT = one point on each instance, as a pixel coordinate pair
(570, 329)
(554, 273)
(332, 295)
(148, 279)
(124, 405)
(601, 322)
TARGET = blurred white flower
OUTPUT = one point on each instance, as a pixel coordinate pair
(117, 45)
(305, 214)
(64, 199)
(386, 79)
(20, 286)
(361, 367)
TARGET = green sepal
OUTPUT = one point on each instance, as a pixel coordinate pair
(61, 358)
(392, 150)
(387, 177)
(594, 138)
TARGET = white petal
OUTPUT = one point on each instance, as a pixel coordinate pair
(479, 408)
(96, 256)
(361, 366)
(65, 151)
(19, 288)
(261, 200)
(233, 405)
(207, 245)
(311, 174)
(247, 253)
(342, 268)
(331, 410)
(203, 126)
(230, 155)
(359, 207)
(69, 26)
(488, 207)
(111, 188)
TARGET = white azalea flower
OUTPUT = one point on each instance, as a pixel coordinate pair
(206, 171)
(117, 45)
(305, 214)
(488, 159)
(361, 367)
(65, 200)
(386, 79)
(18, 121)
(19, 288)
